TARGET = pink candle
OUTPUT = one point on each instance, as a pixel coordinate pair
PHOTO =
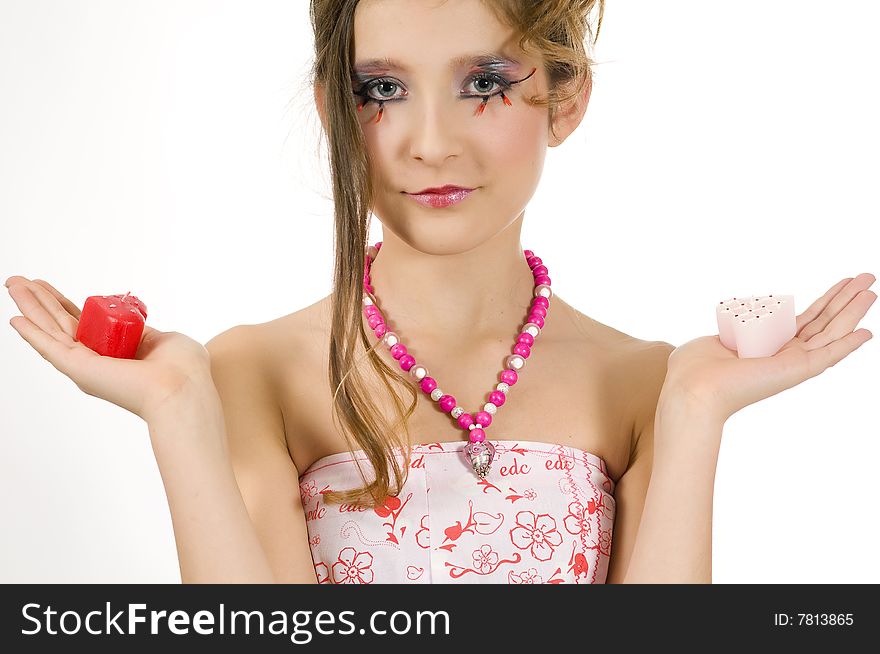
(756, 326)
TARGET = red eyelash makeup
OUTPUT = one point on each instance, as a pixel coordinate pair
(369, 85)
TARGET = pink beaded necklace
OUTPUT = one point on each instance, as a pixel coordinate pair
(479, 452)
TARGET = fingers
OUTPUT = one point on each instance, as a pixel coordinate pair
(844, 322)
(69, 306)
(819, 305)
(823, 310)
(824, 357)
(41, 309)
(50, 348)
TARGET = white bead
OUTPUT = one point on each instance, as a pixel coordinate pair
(514, 362)
(473, 426)
(490, 408)
(367, 300)
(532, 329)
(504, 387)
(437, 393)
(418, 371)
(456, 411)
(543, 290)
(391, 339)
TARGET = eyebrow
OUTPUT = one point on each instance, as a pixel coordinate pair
(483, 59)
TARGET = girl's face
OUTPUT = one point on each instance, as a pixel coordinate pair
(429, 134)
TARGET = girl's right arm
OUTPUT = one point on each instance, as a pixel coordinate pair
(216, 430)
(231, 484)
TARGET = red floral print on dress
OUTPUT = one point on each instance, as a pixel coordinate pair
(529, 576)
(528, 494)
(322, 573)
(353, 567)
(487, 564)
(536, 533)
(485, 558)
(423, 535)
(392, 507)
(577, 520)
(479, 522)
(308, 490)
(449, 527)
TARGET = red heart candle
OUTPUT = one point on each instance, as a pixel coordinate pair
(112, 325)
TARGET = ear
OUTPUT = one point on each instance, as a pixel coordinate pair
(319, 103)
(567, 117)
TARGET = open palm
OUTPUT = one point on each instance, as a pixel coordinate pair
(164, 363)
(706, 370)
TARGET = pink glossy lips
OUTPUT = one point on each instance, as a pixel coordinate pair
(445, 198)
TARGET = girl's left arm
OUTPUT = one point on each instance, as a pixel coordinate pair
(674, 539)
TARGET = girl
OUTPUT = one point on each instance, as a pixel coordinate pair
(317, 470)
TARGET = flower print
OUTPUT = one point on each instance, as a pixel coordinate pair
(485, 558)
(576, 522)
(390, 505)
(529, 576)
(536, 533)
(530, 494)
(322, 573)
(479, 522)
(308, 490)
(605, 541)
(423, 535)
(353, 567)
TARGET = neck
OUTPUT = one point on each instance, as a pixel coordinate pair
(483, 293)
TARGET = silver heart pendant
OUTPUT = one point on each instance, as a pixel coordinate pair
(480, 456)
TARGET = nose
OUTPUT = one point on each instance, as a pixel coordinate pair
(435, 130)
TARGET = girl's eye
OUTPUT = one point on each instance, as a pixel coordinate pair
(384, 89)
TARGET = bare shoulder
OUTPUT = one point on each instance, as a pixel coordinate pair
(272, 349)
(634, 366)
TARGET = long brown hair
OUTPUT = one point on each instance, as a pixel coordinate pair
(558, 30)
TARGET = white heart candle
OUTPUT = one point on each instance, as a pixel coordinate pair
(756, 326)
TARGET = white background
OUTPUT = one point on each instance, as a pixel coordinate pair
(169, 149)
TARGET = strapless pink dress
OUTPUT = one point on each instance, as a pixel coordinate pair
(543, 514)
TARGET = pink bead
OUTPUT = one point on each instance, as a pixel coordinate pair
(465, 420)
(542, 279)
(369, 289)
(540, 270)
(407, 361)
(428, 384)
(526, 338)
(375, 320)
(380, 330)
(534, 261)
(370, 309)
(477, 435)
(497, 398)
(522, 349)
(541, 311)
(509, 377)
(544, 302)
(398, 350)
(535, 318)
(528, 253)
(484, 418)
(378, 245)
(447, 403)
